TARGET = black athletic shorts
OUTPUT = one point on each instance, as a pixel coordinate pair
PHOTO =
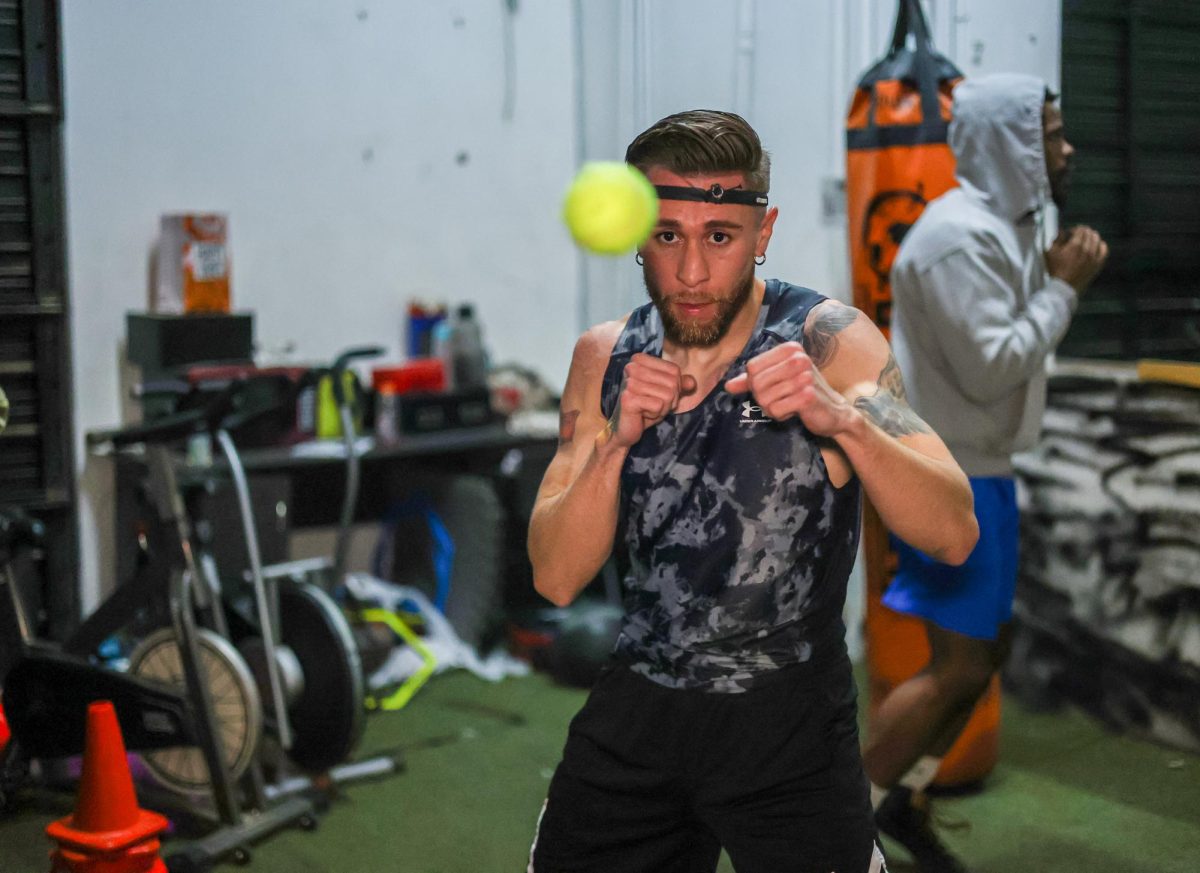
(658, 780)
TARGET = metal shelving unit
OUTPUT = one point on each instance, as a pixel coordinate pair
(37, 469)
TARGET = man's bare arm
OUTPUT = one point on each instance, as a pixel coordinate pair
(575, 514)
(906, 470)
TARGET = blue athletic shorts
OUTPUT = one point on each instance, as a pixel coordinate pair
(976, 598)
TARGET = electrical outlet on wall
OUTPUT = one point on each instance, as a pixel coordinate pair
(833, 200)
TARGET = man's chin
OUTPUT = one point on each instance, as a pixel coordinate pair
(685, 331)
(1059, 193)
(694, 334)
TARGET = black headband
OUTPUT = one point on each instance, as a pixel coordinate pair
(713, 194)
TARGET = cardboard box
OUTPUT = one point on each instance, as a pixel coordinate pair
(193, 265)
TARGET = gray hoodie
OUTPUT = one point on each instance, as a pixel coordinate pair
(975, 315)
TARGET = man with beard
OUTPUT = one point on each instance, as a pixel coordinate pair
(724, 430)
(978, 306)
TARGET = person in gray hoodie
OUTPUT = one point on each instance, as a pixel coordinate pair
(979, 304)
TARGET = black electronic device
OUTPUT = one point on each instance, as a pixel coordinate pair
(163, 343)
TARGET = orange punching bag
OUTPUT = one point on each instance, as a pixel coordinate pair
(897, 161)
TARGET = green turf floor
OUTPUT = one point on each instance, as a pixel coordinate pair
(1066, 796)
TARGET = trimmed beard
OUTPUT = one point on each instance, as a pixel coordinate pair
(1060, 186)
(706, 334)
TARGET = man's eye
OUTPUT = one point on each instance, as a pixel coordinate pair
(720, 236)
(667, 236)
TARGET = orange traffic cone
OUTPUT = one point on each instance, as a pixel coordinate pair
(5, 733)
(108, 832)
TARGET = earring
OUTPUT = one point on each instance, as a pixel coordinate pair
(760, 260)
(641, 262)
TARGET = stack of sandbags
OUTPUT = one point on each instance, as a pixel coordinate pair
(1108, 601)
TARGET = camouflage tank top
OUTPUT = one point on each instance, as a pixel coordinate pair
(739, 546)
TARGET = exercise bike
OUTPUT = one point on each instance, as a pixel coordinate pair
(203, 724)
(300, 647)
(329, 573)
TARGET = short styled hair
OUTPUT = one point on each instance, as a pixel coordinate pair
(703, 141)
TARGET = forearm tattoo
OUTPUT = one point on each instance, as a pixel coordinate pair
(610, 426)
(566, 426)
(888, 406)
(614, 420)
(821, 333)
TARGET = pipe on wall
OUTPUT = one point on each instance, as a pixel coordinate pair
(642, 56)
(839, 81)
(744, 61)
(583, 302)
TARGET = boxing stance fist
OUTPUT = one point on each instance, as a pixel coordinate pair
(651, 388)
(784, 382)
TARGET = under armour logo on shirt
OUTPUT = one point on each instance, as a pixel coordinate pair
(752, 414)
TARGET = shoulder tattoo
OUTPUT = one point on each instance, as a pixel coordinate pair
(891, 379)
(822, 329)
(888, 406)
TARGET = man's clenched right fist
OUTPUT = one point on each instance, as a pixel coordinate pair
(651, 389)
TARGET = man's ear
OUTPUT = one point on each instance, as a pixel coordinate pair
(765, 230)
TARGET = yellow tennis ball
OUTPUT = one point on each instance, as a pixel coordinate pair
(610, 207)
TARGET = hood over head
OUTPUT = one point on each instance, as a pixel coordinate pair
(996, 137)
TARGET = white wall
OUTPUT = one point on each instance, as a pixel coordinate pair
(363, 153)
